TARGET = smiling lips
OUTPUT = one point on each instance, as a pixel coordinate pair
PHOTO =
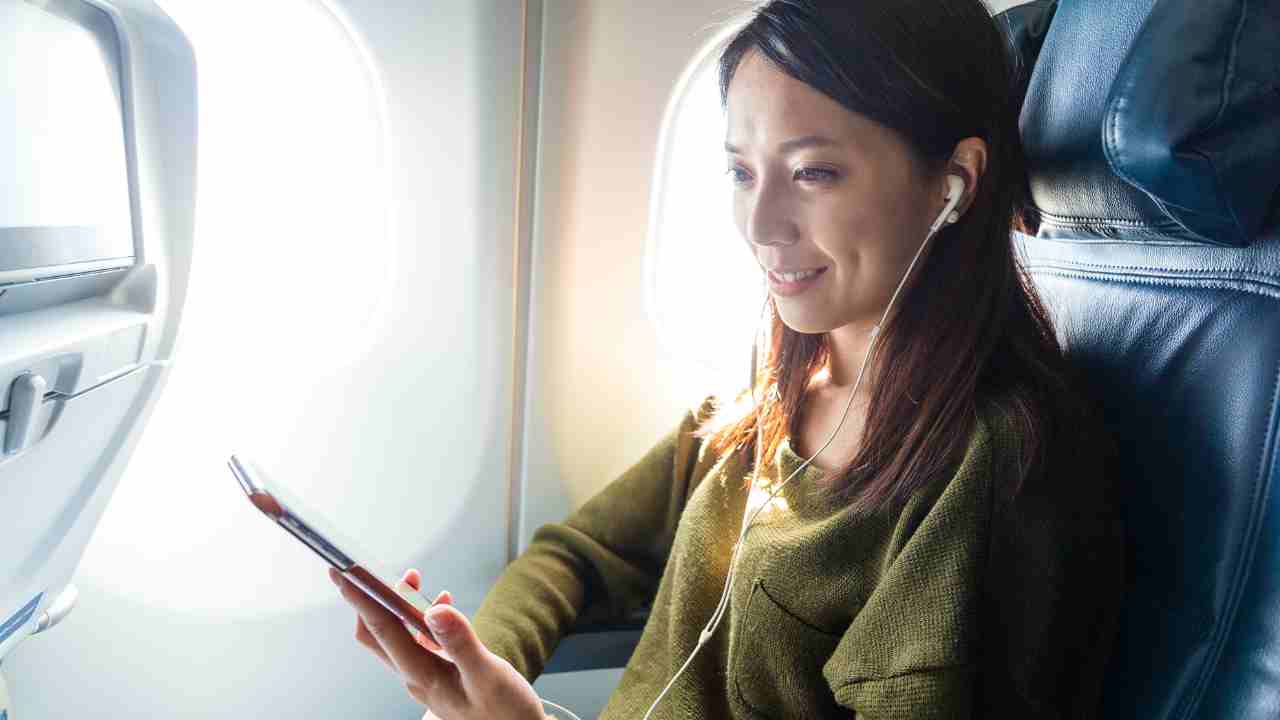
(794, 283)
(798, 275)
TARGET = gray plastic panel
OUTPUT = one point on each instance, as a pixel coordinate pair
(54, 493)
(47, 293)
(114, 345)
(36, 253)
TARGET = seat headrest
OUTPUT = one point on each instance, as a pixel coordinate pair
(1155, 120)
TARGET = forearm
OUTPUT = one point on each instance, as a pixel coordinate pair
(604, 560)
(532, 605)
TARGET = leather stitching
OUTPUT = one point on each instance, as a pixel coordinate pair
(1246, 549)
(1231, 273)
(1269, 280)
(1233, 55)
(1070, 219)
(1268, 291)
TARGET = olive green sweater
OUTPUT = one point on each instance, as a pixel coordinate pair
(962, 605)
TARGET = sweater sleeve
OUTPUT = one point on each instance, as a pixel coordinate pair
(603, 562)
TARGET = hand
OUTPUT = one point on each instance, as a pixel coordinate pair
(459, 681)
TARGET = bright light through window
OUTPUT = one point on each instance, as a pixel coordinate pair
(291, 272)
(704, 287)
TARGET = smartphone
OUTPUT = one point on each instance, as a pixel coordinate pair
(313, 531)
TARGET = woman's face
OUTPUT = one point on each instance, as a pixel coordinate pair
(818, 187)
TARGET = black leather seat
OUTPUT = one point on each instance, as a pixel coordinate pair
(1152, 131)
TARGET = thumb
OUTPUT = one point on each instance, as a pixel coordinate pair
(455, 634)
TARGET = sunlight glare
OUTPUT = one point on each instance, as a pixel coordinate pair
(705, 290)
(292, 268)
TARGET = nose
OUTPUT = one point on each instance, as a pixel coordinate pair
(770, 220)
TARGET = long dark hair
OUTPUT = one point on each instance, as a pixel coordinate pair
(968, 333)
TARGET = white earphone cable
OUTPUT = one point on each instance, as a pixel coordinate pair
(561, 708)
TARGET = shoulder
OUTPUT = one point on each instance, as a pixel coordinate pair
(693, 457)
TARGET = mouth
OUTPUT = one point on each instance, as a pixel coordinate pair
(794, 283)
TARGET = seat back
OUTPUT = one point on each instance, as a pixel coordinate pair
(97, 195)
(1152, 132)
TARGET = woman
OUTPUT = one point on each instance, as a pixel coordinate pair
(950, 548)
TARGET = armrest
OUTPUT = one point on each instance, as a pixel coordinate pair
(597, 646)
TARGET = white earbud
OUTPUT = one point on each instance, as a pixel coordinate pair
(955, 190)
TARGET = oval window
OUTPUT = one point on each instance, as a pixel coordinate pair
(704, 290)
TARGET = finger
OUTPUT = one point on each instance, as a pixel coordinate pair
(455, 633)
(362, 633)
(413, 578)
(403, 586)
(365, 638)
(426, 641)
(438, 679)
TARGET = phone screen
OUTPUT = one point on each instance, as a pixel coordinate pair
(312, 530)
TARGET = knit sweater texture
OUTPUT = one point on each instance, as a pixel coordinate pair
(963, 604)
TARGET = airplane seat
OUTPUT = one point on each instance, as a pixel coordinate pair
(97, 195)
(1152, 134)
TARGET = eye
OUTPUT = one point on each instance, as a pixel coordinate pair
(815, 174)
(738, 175)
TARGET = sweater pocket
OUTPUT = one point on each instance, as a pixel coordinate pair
(777, 660)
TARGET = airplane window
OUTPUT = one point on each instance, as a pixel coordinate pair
(292, 264)
(698, 268)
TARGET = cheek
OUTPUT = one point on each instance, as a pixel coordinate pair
(843, 231)
(740, 218)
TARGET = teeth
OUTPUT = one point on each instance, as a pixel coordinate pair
(798, 276)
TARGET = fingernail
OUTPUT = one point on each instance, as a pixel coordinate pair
(439, 626)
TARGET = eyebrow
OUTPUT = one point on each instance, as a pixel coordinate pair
(793, 144)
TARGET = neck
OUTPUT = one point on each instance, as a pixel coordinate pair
(848, 347)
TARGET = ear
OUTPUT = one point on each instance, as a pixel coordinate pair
(969, 161)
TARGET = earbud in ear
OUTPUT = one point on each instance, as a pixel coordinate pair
(955, 189)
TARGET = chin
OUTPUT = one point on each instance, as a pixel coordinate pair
(805, 325)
